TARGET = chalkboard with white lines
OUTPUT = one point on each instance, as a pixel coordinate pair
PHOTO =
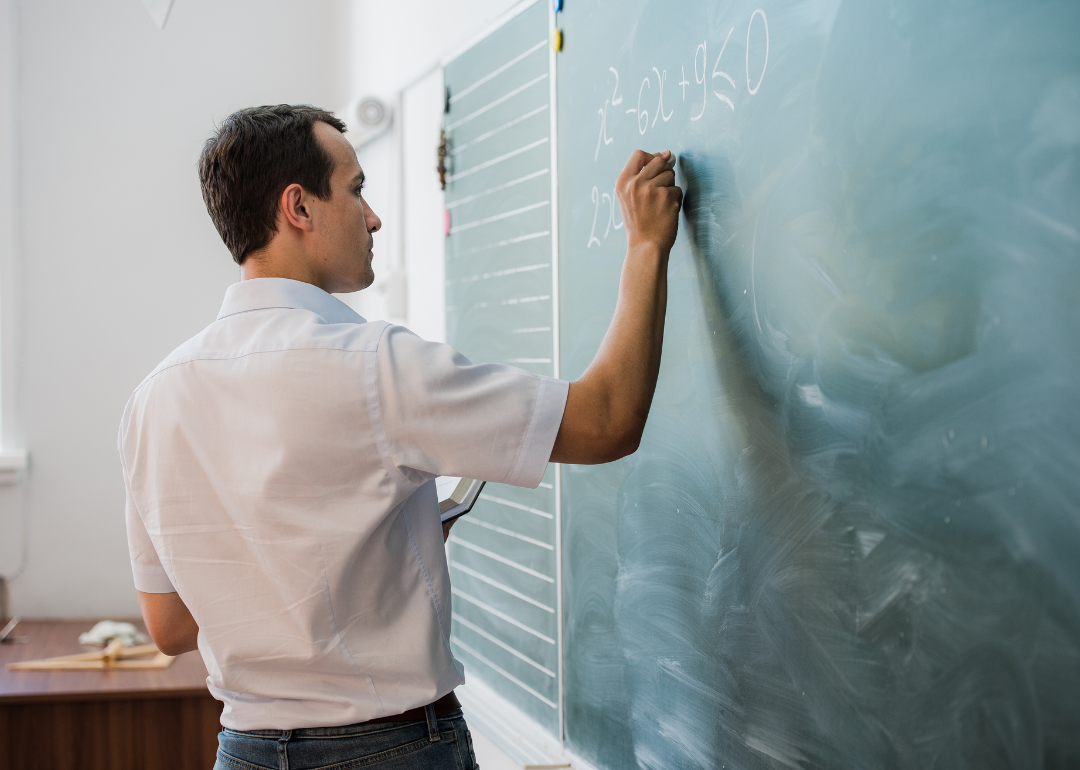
(500, 310)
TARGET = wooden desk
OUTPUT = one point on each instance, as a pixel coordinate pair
(102, 720)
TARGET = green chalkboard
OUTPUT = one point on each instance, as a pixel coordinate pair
(499, 308)
(851, 535)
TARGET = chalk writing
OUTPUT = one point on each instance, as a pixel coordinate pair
(757, 34)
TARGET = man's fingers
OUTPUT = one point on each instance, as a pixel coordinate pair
(638, 159)
(647, 164)
(657, 165)
(665, 178)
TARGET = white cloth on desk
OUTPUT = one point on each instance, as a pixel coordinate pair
(280, 475)
(104, 631)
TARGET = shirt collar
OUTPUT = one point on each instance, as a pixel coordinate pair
(265, 293)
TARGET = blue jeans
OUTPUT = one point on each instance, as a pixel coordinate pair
(437, 743)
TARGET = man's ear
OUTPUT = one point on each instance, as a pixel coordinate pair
(293, 205)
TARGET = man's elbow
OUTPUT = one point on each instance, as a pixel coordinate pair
(173, 646)
(627, 442)
(169, 639)
(617, 441)
(169, 623)
(169, 647)
(592, 432)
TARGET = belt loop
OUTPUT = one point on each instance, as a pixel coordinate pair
(283, 749)
(432, 723)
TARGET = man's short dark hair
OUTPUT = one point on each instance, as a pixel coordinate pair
(249, 161)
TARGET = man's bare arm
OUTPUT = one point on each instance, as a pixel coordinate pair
(606, 409)
(169, 622)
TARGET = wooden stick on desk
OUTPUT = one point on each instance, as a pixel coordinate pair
(115, 655)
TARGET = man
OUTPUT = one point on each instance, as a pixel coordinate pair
(281, 508)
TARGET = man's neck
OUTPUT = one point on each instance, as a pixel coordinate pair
(279, 263)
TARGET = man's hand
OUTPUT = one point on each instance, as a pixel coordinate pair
(606, 409)
(649, 199)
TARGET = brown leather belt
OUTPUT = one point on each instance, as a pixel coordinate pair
(443, 705)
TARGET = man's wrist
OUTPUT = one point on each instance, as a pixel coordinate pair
(647, 250)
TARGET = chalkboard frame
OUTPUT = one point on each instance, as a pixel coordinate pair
(513, 731)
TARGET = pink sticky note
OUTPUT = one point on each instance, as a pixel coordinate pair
(446, 224)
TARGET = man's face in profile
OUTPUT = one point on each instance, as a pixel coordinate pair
(345, 224)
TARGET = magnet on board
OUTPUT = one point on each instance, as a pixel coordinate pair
(557, 5)
(556, 39)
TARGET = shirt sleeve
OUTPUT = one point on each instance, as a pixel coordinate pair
(146, 567)
(442, 415)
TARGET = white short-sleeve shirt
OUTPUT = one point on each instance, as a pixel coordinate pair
(279, 470)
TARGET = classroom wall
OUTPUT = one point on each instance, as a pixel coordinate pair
(395, 43)
(116, 260)
(9, 545)
(423, 208)
(8, 68)
(107, 257)
(394, 54)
